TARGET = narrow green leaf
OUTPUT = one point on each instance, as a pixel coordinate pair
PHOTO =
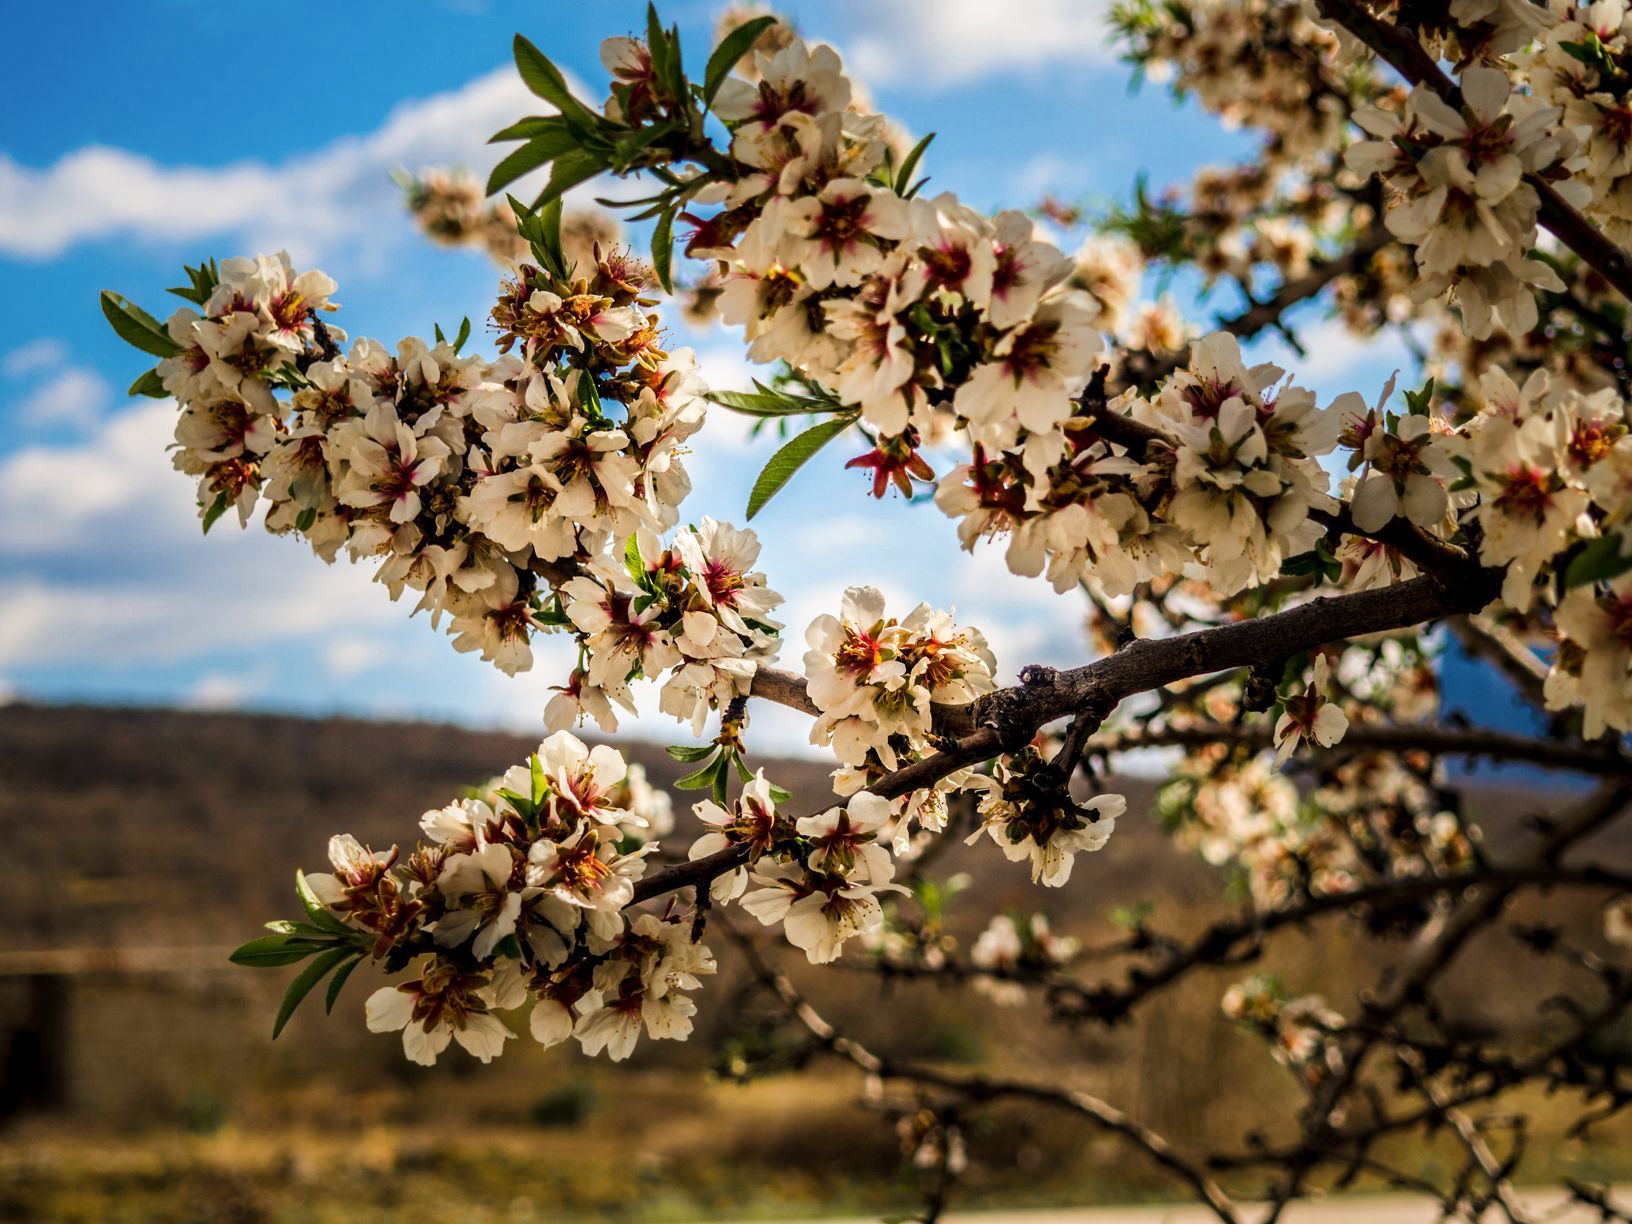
(464, 334)
(149, 384)
(632, 560)
(526, 129)
(338, 982)
(304, 521)
(315, 909)
(529, 157)
(911, 164)
(569, 170)
(688, 753)
(136, 327)
(722, 780)
(663, 250)
(217, 508)
(303, 983)
(765, 401)
(704, 777)
(540, 784)
(1599, 561)
(732, 48)
(545, 80)
(792, 457)
(271, 950)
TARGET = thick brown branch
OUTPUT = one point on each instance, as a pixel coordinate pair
(784, 688)
(1008, 719)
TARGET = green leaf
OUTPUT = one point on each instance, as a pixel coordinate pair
(1599, 561)
(339, 981)
(464, 334)
(792, 457)
(530, 156)
(526, 129)
(663, 250)
(664, 48)
(149, 384)
(911, 164)
(302, 985)
(540, 784)
(217, 508)
(305, 519)
(315, 909)
(569, 170)
(545, 80)
(722, 781)
(766, 401)
(704, 777)
(688, 753)
(272, 950)
(632, 560)
(732, 48)
(136, 327)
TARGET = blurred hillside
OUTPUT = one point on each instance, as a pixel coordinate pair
(139, 1082)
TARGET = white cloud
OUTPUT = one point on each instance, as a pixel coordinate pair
(943, 43)
(100, 545)
(33, 357)
(75, 398)
(348, 656)
(219, 690)
(335, 194)
(1335, 359)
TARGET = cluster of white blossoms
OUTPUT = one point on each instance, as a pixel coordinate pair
(874, 678)
(451, 208)
(1552, 467)
(1014, 946)
(1031, 818)
(1575, 66)
(517, 895)
(1370, 816)
(1303, 1032)
(1593, 667)
(1202, 47)
(1457, 178)
(819, 876)
(516, 496)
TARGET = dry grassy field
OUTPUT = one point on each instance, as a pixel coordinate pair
(140, 1084)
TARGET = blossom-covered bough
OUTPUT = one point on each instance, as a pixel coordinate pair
(1266, 573)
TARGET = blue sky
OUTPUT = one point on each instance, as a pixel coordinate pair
(178, 129)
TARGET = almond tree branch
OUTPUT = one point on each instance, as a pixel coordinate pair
(1008, 719)
(1400, 50)
(1441, 741)
(1142, 368)
(981, 1088)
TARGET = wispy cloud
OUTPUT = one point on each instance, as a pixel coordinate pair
(43, 354)
(336, 193)
(945, 43)
(73, 397)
